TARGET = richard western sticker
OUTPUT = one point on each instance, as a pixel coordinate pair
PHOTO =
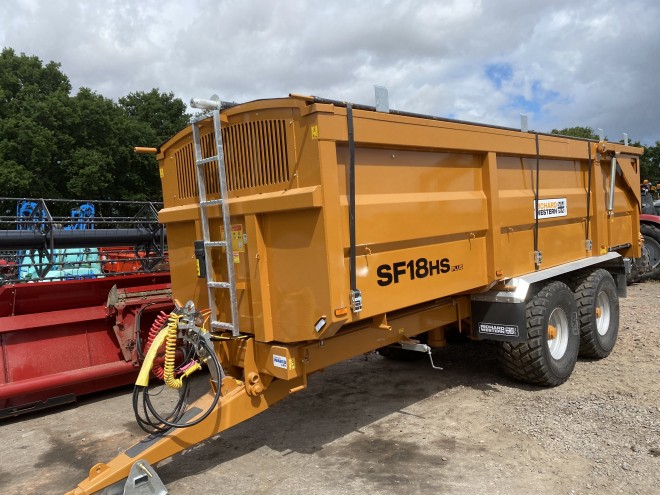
(556, 207)
(497, 329)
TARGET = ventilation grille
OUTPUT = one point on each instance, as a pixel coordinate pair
(184, 159)
(255, 156)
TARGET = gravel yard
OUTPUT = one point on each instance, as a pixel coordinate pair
(375, 426)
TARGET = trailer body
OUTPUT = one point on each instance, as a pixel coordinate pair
(351, 230)
(441, 208)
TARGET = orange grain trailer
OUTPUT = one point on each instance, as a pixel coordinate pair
(323, 230)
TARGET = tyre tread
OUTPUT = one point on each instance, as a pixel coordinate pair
(585, 298)
(526, 361)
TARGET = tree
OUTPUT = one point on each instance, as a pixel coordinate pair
(650, 163)
(53, 144)
(33, 114)
(579, 132)
(164, 113)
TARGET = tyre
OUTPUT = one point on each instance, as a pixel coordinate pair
(598, 312)
(651, 247)
(549, 355)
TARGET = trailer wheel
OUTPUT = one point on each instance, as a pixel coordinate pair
(651, 235)
(549, 355)
(598, 311)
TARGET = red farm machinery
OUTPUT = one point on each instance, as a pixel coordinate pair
(80, 284)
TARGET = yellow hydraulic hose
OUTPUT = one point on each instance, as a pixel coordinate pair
(170, 355)
(145, 370)
(168, 335)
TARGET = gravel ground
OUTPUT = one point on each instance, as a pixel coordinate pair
(375, 426)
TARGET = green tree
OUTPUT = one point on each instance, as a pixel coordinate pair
(164, 113)
(53, 144)
(578, 131)
(154, 117)
(650, 163)
(33, 123)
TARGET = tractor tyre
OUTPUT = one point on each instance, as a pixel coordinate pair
(548, 356)
(651, 235)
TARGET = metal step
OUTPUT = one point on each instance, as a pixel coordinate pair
(210, 159)
(211, 202)
(213, 244)
(222, 325)
(219, 285)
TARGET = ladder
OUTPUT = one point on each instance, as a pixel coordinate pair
(209, 245)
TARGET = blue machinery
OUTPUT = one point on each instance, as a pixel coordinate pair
(38, 245)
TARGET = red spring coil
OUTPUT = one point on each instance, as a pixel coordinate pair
(158, 324)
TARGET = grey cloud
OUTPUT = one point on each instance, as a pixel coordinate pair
(572, 63)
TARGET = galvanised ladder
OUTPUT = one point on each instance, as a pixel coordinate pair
(204, 203)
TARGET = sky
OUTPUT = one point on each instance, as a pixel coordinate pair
(563, 63)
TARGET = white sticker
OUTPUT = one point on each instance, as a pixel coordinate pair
(498, 329)
(549, 208)
(279, 361)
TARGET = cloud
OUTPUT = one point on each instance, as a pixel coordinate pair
(499, 73)
(564, 63)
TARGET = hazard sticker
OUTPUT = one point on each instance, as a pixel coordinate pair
(550, 208)
(237, 238)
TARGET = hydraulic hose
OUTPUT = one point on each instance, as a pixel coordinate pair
(156, 327)
(164, 331)
(216, 398)
(170, 356)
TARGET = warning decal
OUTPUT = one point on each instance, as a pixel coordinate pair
(237, 237)
(549, 208)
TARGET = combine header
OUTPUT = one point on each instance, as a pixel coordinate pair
(304, 231)
(79, 284)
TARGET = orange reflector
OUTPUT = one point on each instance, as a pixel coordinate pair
(340, 312)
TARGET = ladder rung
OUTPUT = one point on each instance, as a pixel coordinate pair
(223, 325)
(215, 243)
(211, 202)
(219, 285)
(210, 159)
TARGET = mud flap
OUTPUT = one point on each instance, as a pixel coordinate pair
(504, 321)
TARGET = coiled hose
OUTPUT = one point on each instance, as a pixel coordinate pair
(170, 356)
(158, 324)
(151, 420)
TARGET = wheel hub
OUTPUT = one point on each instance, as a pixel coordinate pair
(603, 311)
(558, 332)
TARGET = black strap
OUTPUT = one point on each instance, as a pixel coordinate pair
(536, 203)
(588, 190)
(351, 195)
